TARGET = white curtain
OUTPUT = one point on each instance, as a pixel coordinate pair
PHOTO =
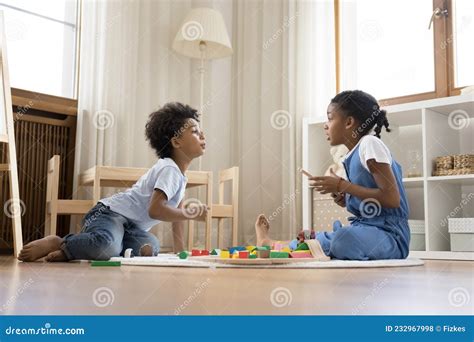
(279, 72)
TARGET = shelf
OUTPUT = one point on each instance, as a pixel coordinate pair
(442, 255)
(413, 182)
(457, 179)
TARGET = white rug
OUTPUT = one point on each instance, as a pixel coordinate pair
(170, 260)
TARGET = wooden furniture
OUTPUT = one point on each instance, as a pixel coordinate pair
(222, 211)
(14, 206)
(55, 206)
(197, 179)
(433, 128)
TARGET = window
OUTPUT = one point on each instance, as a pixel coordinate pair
(41, 45)
(387, 49)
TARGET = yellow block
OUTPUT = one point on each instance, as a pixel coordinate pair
(250, 248)
(225, 254)
(286, 249)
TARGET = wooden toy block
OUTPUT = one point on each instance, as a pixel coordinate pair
(263, 254)
(279, 255)
(235, 255)
(253, 256)
(286, 249)
(96, 263)
(183, 255)
(243, 254)
(216, 252)
(204, 252)
(262, 248)
(237, 248)
(302, 247)
(225, 255)
(250, 248)
(278, 246)
(301, 254)
(195, 252)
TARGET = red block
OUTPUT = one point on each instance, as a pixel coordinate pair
(204, 252)
(195, 252)
(244, 254)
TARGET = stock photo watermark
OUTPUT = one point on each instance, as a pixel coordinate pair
(197, 291)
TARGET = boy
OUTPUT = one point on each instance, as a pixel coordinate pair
(123, 220)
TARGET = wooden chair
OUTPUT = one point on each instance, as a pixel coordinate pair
(222, 211)
(55, 206)
(196, 179)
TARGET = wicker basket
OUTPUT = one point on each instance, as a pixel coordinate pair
(461, 164)
(464, 161)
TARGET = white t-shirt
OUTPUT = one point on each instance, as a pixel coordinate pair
(371, 147)
(133, 203)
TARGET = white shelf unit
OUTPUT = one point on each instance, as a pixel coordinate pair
(423, 126)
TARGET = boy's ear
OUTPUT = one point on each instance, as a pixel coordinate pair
(175, 142)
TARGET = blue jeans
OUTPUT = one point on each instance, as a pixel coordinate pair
(106, 234)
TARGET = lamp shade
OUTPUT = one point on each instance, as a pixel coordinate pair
(203, 25)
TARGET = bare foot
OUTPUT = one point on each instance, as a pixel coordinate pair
(262, 226)
(56, 256)
(39, 248)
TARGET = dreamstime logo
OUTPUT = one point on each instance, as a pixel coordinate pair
(280, 119)
(192, 30)
(458, 119)
(370, 208)
(287, 22)
(103, 296)
(192, 208)
(200, 287)
(459, 296)
(370, 30)
(287, 201)
(14, 207)
(280, 297)
(103, 119)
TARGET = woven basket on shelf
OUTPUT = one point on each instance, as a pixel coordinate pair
(461, 164)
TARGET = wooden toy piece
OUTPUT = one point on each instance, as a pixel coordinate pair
(237, 248)
(279, 255)
(286, 249)
(183, 254)
(216, 251)
(261, 248)
(244, 254)
(252, 256)
(96, 263)
(195, 252)
(278, 246)
(302, 247)
(263, 254)
(235, 255)
(250, 248)
(204, 252)
(225, 255)
(301, 254)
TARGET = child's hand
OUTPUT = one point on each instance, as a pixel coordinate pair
(326, 184)
(339, 198)
(203, 210)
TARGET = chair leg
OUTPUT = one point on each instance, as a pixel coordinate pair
(190, 234)
(220, 233)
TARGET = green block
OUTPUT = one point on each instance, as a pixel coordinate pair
(302, 247)
(279, 255)
(183, 254)
(215, 252)
(105, 263)
(263, 248)
(252, 256)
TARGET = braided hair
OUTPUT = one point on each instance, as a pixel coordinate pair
(364, 109)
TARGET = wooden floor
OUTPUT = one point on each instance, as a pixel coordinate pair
(438, 287)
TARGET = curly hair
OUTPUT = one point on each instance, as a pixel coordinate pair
(365, 109)
(167, 122)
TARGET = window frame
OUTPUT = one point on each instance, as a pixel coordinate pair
(443, 57)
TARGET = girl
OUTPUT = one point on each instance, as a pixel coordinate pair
(373, 191)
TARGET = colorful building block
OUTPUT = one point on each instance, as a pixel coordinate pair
(286, 249)
(237, 248)
(301, 254)
(235, 255)
(96, 263)
(302, 247)
(250, 248)
(263, 254)
(261, 248)
(244, 254)
(253, 256)
(225, 255)
(216, 252)
(183, 254)
(195, 252)
(279, 255)
(204, 252)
